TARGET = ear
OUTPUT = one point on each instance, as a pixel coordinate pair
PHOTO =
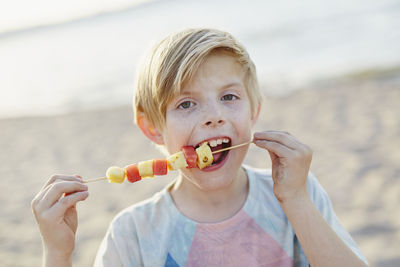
(254, 117)
(148, 129)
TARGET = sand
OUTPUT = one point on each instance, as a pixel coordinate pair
(352, 126)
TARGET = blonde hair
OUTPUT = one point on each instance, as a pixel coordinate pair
(175, 60)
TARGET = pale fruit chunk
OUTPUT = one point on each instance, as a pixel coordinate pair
(204, 155)
(115, 175)
(176, 161)
(146, 169)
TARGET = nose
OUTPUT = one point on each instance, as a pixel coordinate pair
(213, 116)
(214, 122)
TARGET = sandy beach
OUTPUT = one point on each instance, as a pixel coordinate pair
(353, 127)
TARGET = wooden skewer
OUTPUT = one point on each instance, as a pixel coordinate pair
(95, 180)
(217, 151)
(232, 147)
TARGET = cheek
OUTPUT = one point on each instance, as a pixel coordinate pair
(240, 112)
(177, 132)
(241, 116)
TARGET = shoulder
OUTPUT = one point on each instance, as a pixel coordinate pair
(262, 181)
(133, 231)
(317, 193)
(261, 191)
(260, 175)
(257, 175)
(143, 212)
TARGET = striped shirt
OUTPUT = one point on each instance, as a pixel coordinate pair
(155, 233)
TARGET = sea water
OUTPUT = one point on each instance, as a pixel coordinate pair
(63, 56)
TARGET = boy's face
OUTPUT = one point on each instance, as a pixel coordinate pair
(214, 105)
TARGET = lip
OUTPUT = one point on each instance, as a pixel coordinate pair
(217, 166)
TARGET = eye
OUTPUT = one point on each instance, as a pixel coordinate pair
(186, 104)
(229, 97)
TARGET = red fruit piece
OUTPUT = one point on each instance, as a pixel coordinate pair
(190, 155)
(160, 167)
(132, 173)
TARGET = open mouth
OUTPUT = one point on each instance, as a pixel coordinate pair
(217, 144)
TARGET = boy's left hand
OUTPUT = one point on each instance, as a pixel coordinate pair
(291, 162)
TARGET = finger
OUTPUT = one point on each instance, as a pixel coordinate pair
(274, 147)
(56, 190)
(61, 207)
(56, 177)
(52, 180)
(36, 202)
(80, 177)
(283, 138)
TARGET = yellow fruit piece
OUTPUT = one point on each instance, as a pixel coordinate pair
(176, 161)
(204, 155)
(146, 169)
(115, 175)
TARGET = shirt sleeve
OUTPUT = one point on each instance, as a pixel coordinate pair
(120, 245)
(321, 200)
(107, 255)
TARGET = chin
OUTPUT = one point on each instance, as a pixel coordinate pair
(216, 177)
(213, 181)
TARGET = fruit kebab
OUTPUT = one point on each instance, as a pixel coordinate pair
(188, 157)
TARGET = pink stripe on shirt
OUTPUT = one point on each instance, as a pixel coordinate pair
(238, 241)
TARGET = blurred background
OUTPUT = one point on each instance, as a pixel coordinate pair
(330, 73)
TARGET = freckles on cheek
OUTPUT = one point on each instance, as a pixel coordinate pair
(240, 112)
(242, 120)
(177, 131)
(177, 123)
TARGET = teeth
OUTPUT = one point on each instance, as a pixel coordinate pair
(216, 142)
(213, 143)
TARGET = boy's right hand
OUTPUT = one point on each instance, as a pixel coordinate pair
(56, 214)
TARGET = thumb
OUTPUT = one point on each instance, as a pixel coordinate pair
(273, 156)
(71, 218)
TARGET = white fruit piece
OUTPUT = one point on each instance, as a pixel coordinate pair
(176, 161)
(146, 169)
(204, 156)
(115, 174)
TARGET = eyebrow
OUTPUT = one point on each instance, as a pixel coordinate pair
(232, 84)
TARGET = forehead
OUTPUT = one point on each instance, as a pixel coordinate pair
(219, 69)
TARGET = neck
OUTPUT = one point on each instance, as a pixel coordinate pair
(210, 205)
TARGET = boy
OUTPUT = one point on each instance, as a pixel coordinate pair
(200, 85)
